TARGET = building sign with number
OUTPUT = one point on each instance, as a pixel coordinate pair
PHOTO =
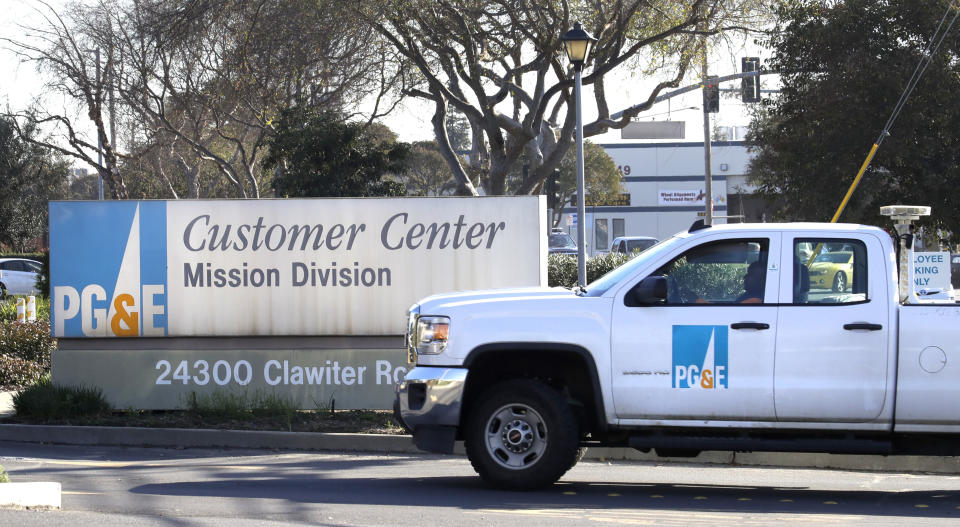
(305, 299)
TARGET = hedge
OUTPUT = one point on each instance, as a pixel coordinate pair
(562, 268)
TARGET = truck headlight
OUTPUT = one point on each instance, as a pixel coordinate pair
(431, 334)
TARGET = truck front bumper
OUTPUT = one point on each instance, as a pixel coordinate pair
(429, 401)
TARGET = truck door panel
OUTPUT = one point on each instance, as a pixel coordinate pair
(706, 352)
(832, 358)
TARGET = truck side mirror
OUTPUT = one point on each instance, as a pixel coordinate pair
(651, 290)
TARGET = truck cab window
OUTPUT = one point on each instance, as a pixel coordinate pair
(829, 271)
(724, 272)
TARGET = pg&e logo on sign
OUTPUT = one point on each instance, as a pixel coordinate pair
(108, 269)
(700, 357)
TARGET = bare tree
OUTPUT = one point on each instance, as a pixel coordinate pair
(500, 63)
(197, 85)
(79, 67)
(215, 75)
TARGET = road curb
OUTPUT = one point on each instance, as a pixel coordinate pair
(30, 495)
(403, 444)
(204, 438)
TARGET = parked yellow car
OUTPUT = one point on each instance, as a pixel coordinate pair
(832, 270)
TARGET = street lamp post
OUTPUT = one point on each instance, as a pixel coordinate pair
(577, 44)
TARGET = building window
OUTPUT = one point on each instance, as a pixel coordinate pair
(601, 235)
(618, 228)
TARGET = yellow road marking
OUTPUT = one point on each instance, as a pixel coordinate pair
(829, 503)
(699, 497)
(569, 493)
(613, 494)
(921, 506)
(743, 499)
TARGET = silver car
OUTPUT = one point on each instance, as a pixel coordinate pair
(18, 276)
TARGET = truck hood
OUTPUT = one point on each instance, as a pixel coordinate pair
(440, 303)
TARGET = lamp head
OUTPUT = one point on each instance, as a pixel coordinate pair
(578, 44)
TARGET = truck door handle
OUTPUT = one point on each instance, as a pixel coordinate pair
(863, 325)
(750, 325)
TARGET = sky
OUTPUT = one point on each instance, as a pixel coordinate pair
(20, 83)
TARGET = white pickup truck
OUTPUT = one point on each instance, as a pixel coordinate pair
(732, 337)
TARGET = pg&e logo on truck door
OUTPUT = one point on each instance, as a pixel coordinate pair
(700, 357)
(108, 268)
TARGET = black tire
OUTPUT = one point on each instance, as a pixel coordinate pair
(521, 435)
(582, 451)
(840, 282)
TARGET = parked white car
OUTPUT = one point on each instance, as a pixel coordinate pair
(18, 276)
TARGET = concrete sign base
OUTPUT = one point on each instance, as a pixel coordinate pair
(312, 372)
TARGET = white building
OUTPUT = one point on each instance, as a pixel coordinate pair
(666, 188)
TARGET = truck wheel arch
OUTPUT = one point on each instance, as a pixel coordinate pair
(495, 362)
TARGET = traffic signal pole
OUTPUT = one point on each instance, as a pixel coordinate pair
(710, 104)
(688, 89)
(708, 178)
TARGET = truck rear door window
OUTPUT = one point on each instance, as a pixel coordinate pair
(829, 271)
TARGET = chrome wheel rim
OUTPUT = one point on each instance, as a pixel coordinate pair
(516, 436)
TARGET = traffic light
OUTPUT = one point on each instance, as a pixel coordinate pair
(550, 189)
(711, 95)
(750, 86)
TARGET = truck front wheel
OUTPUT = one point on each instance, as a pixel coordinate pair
(521, 434)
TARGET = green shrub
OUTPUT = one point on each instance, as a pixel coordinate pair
(222, 404)
(43, 279)
(45, 400)
(4, 478)
(15, 371)
(28, 341)
(562, 268)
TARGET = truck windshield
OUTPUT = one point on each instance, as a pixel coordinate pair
(600, 286)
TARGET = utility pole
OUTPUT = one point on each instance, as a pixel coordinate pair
(708, 180)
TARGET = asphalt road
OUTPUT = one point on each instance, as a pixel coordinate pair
(107, 486)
